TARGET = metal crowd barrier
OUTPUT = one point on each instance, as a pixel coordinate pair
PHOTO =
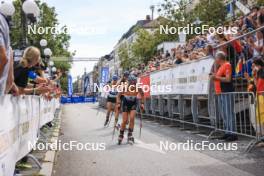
(238, 113)
(22, 118)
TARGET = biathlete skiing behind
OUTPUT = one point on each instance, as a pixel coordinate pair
(129, 106)
(111, 99)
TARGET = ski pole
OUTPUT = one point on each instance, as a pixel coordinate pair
(116, 120)
(140, 127)
(110, 119)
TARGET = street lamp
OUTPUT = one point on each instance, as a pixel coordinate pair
(31, 9)
(54, 69)
(47, 52)
(7, 8)
(51, 63)
(43, 43)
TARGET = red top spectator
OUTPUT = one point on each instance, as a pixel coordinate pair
(223, 77)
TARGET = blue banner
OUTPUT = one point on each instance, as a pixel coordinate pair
(104, 75)
(86, 84)
(80, 99)
(70, 90)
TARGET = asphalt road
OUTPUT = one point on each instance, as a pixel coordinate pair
(84, 123)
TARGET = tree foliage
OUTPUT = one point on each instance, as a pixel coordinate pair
(211, 12)
(124, 56)
(58, 43)
(144, 47)
(260, 2)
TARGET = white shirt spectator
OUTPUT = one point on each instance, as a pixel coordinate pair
(258, 43)
(211, 39)
(4, 42)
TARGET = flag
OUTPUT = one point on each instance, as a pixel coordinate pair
(239, 66)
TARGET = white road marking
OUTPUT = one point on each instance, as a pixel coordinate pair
(151, 147)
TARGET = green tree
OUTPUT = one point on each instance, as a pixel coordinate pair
(124, 56)
(211, 12)
(58, 43)
(144, 47)
(260, 2)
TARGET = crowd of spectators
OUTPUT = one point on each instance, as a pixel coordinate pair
(29, 75)
(237, 51)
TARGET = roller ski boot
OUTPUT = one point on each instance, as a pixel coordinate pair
(120, 137)
(130, 138)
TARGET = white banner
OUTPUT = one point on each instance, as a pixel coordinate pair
(188, 78)
(21, 119)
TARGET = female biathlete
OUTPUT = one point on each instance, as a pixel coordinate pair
(111, 99)
(129, 106)
(123, 81)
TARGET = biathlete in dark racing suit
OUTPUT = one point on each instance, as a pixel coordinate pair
(111, 99)
(122, 81)
(129, 106)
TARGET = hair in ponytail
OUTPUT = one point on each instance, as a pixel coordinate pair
(31, 54)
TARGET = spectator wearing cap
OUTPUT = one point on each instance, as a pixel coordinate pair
(224, 97)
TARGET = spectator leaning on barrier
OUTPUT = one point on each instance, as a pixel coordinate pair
(224, 97)
(25, 70)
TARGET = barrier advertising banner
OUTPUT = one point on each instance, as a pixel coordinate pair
(188, 78)
(22, 117)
